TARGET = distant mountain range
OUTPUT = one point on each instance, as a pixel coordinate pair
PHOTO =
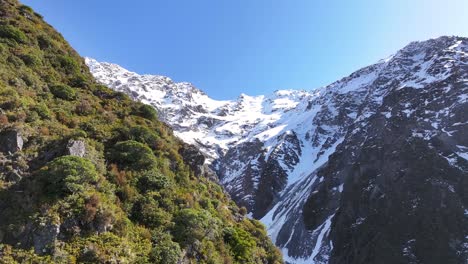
(372, 168)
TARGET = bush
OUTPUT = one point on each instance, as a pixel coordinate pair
(144, 135)
(79, 80)
(42, 110)
(194, 225)
(153, 180)
(133, 155)
(64, 92)
(9, 99)
(64, 117)
(241, 243)
(44, 42)
(30, 60)
(164, 249)
(25, 8)
(147, 212)
(84, 107)
(14, 61)
(243, 210)
(68, 174)
(10, 32)
(106, 248)
(148, 112)
(69, 64)
(9, 255)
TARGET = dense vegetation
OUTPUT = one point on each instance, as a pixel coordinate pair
(129, 199)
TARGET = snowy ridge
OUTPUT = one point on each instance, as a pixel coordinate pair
(270, 151)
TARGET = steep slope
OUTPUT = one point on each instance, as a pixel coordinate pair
(88, 175)
(370, 169)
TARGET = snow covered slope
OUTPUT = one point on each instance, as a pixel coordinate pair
(298, 159)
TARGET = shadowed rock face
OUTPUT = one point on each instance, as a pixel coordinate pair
(405, 177)
(11, 141)
(404, 195)
(370, 169)
(196, 160)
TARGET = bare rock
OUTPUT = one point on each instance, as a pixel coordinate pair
(11, 141)
(76, 148)
(45, 237)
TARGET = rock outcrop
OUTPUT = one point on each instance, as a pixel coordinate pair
(196, 161)
(11, 141)
(45, 237)
(76, 148)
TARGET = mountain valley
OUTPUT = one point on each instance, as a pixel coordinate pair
(354, 172)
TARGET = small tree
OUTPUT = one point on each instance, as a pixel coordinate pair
(153, 180)
(64, 92)
(241, 243)
(164, 249)
(133, 155)
(68, 174)
(148, 112)
(194, 225)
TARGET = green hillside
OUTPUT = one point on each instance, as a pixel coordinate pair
(89, 176)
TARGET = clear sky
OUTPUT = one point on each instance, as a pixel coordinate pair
(228, 47)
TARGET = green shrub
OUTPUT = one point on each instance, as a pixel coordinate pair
(144, 135)
(64, 92)
(44, 42)
(107, 248)
(68, 174)
(194, 225)
(32, 117)
(153, 180)
(15, 61)
(133, 155)
(147, 212)
(164, 251)
(25, 8)
(241, 243)
(9, 255)
(9, 99)
(30, 60)
(42, 110)
(10, 32)
(29, 79)
(79, 81)
(69, 64)
(148, 112)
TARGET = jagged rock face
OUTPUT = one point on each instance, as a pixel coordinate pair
(370, 169)
(413, 177)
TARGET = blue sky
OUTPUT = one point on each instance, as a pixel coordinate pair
(255, 47)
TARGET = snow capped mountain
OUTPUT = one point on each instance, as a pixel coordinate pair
(215, 126)
(354, 172)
